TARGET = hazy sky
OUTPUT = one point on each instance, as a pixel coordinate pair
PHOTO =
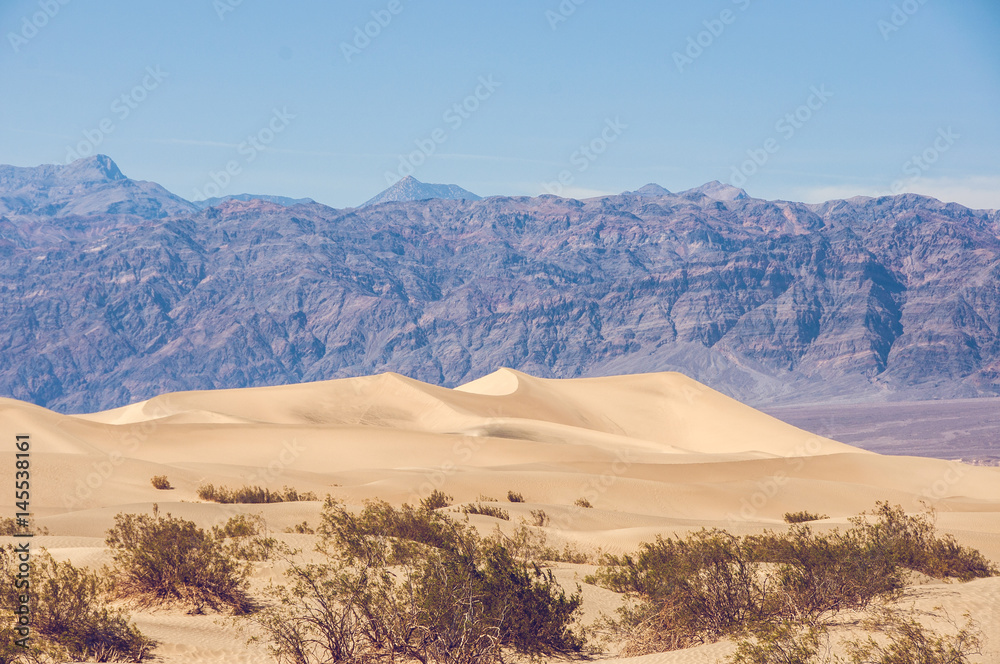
(791, 99)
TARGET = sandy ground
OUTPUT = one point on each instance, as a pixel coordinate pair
(653, 453)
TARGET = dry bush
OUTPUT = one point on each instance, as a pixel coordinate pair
(9, 527)
(436, 500)
(247, 537)
(486, 510)
(712, 584)
(414, 584)
(301, 528)
(539, 518)
(162, 558)
(582, 502)
(515, 497)
(486, 499)
(252, 495)
(70, 616)
(160, 482)
(803, 517)
(901, 640)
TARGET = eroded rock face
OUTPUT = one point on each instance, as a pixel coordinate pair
(767, 301)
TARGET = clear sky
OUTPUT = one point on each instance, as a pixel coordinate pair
(791, 99)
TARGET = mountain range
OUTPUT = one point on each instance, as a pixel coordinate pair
(115, 290)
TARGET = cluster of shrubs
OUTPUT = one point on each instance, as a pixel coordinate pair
(9, 527)
(71, 619)
(412, 583)
(486, 510)
(712, 584)
(253, 494)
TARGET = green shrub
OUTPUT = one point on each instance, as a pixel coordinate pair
(160, 482)
(712, 584)
(162, 558)
(252, 495)
(582, 502)
(486, 510)
(450, 596)
(803, 516)
(436, 500)
(70, 615)
(515, 497)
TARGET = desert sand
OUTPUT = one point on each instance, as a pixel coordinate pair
(653, 453)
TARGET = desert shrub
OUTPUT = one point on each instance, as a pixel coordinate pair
(692, 590)
(162, 558)
(301, 528)
(582, 502)
(906, 640)
(530, 545)
(911, 541)
(436, 500)
(803, 516)
(515, 497)
(249, 537)
(711, 584)
(449, 596)
(160, 482)
(10, 527)
(486, 510)
(902, 640)
(252, 494)
(486, 499)
(70, 615)
(539, 518)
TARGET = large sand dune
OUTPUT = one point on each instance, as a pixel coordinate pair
(653, 453)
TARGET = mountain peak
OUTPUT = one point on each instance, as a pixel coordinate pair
(651, 189)
(412, 189)
(719, 191)
(98, 168)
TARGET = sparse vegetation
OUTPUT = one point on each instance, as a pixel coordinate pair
(486, 510)
(582, 502)
(486, 499)
(451, 596)
(436, 500)
(247, 537)
(9, 527)
(252, 494)
(515, 497)
(301, 529)
(71, 618)
(903, 640)
(712, 584)
(539, 518)
(163, 558)
(803, 517)
(160, 482)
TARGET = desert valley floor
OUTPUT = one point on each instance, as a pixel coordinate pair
(653, 453)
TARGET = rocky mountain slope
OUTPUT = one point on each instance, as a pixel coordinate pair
(768, 301)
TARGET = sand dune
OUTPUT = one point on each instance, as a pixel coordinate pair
(653, 453)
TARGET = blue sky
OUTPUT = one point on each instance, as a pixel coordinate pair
(790, 99)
